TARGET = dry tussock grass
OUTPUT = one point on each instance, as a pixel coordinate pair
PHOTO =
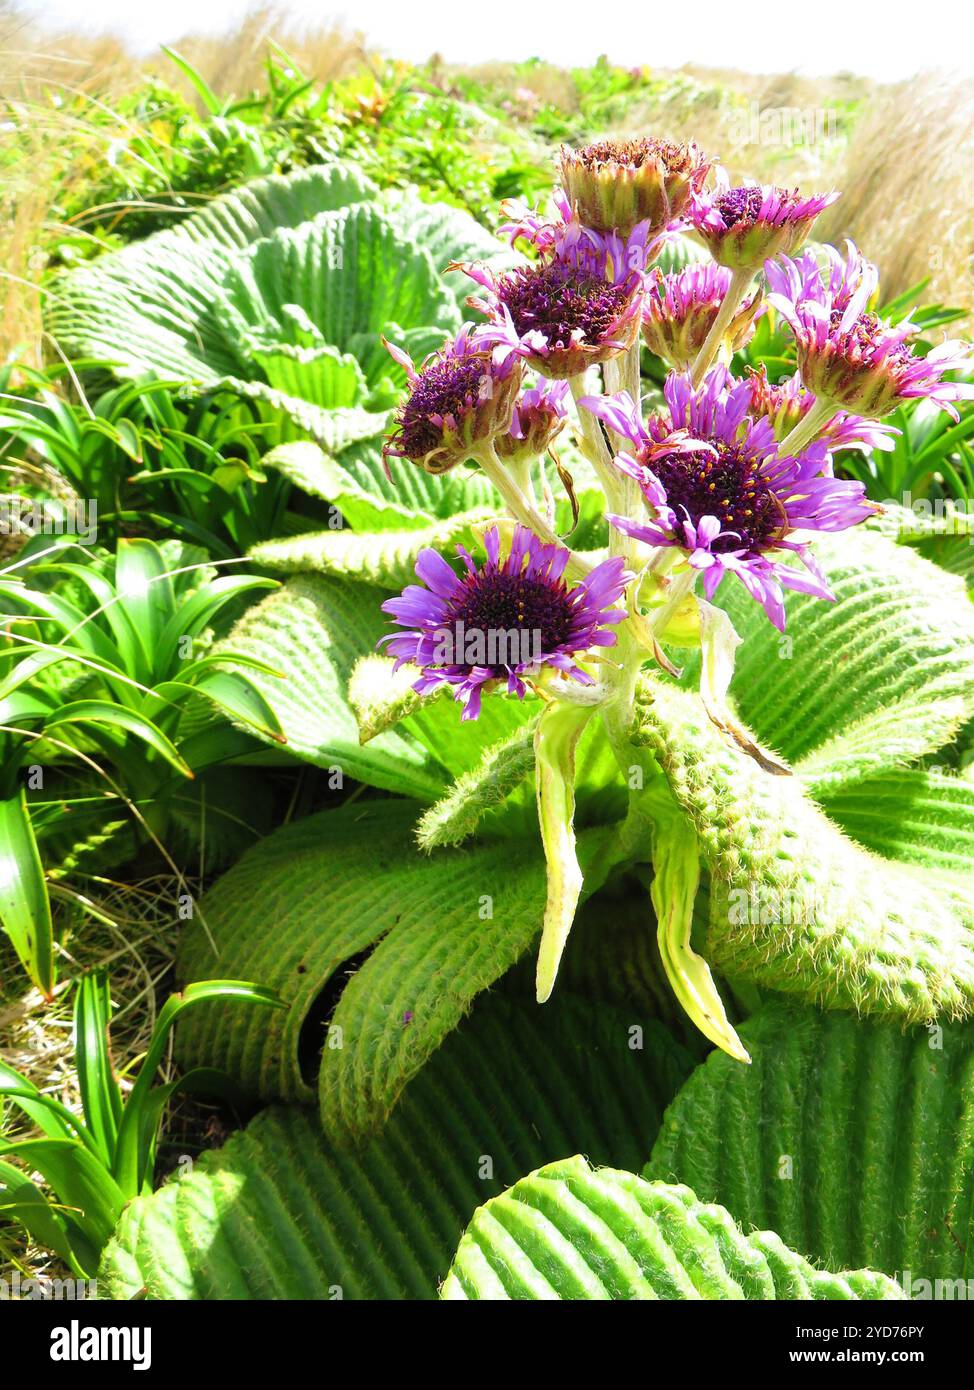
(906, 188)
(235, 62)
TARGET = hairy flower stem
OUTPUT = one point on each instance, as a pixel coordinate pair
(807, 429)
(521, 509)
(622, 374)
(596, 450)
(738, 288)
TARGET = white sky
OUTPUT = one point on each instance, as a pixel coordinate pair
(886, 39)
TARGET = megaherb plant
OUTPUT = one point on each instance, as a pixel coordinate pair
(95, 1162)
(99, 665)
(665, 718)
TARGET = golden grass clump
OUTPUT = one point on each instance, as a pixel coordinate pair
(906, 188)
(236, 62)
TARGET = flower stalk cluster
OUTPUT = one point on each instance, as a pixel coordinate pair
(726, 477)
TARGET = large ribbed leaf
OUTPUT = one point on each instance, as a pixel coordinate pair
(794, 904)
(850, 1138)
(342, 279)
(257, 209)
(152, 305)
(953, 553)
(387, 559)
(467, 918)
(447, 234)
(912, 814)
(281, 1213)
(874, 680)
(314, 630)
(411, 489)
(316, 894)
(569, 1231)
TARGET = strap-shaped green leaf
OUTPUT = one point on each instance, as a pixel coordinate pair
(851, 1138)
(281, 1212)
(794, 904)
(25, 909)
(569, 1231)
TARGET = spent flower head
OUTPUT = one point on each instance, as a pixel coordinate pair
(614, 185)
(500, 624)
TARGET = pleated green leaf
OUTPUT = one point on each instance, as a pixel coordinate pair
(301, 909)
(152, 306)
(917, 815)
(315, 629)
(281, 1212)
(850, 1138)
(569, 1231)
(344, 279)
(387, 559)
(875, 680)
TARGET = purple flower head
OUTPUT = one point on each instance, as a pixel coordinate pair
(744, 226)
(787, 402)
(614, 185)
(679, 311)
(564, 312)
(461, 395)
(846, 353)
(539, 417)
(611, 254)
(717, 488)
(504, 621)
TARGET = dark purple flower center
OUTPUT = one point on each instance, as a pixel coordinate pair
(568, 304)
(448, 386)
(493, 601)
(739, 205)
(728, 485)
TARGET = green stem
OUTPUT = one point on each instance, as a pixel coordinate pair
(807, 428)
(739, 285)
(596, 450)
(522, 510)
